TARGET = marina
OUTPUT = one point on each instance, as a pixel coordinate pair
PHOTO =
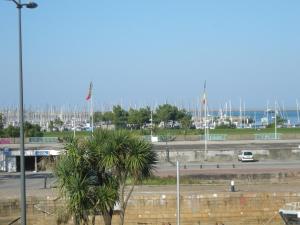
(81, 119)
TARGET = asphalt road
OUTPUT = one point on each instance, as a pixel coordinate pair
(229, 145)
(35, 182)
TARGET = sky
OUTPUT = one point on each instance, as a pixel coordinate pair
(148, 52)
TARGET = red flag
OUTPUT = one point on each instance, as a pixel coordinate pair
(90, 92)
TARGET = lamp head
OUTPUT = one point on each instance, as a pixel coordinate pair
(31, 5)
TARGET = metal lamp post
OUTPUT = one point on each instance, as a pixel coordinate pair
(30, 5)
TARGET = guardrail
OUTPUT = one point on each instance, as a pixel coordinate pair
(43, 140)
(8, 141)
(214, 137)
(160, 138)
(267, 136)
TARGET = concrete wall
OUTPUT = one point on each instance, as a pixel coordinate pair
(226, 155)
(235, 137)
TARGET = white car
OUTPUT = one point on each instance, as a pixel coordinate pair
(245, 156)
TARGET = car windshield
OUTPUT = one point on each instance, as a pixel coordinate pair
(247, 153)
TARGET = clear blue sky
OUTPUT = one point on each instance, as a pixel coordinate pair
(147, 51)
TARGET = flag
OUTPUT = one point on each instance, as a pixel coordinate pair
(204, 94)
(90, 92)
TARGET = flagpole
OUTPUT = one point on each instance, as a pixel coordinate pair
(178, 192)
(92, 114)
(275, 121)
(205, 131)
(151, 123)
(205, 122)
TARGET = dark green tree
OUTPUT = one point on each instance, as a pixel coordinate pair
(98, 117)
(1, 122)
(51, 126)
(185, 119)
(145, 115)
(108, 117)
(12, 131)
(138, 118)
(1, 125)
(58, 123)
(279, 121)
(166, 113)
(32, 130)
(120, 117)
(133, 118)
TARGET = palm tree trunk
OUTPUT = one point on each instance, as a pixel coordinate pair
(107, 217)
(123, 202)
(122, 209)
(122, 216)
(93, 219)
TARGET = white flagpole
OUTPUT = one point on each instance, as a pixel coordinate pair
(297, 110)
(205, 123)
(178, 193)
(275, 120)
(151, 123)
(205, 130)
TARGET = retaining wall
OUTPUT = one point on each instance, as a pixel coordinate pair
(228, 208)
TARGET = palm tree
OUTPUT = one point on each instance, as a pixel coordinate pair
(73, 182)
(92, 174)
(84, 184)
(129, 159)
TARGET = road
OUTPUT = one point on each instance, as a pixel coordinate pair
(229, 145)
(9, 182)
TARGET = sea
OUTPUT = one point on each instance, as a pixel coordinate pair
(260, 117)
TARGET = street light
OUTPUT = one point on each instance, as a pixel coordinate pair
(30, 5)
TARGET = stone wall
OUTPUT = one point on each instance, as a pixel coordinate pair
(230, 208)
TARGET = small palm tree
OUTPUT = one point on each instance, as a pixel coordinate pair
(84, 184)
(128, 158)
(92, 174)
(73, 182)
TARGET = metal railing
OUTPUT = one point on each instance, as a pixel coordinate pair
(268, 136)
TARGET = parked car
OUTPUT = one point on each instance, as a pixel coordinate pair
(245, 156)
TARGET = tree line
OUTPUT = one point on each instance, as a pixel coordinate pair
(167, 116)
(30, 130)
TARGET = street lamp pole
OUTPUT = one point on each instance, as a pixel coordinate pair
(21, 116)
(30, 5)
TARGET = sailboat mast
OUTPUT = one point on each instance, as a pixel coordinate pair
(297, 110)
(205, 122)
(275, 122)
(267, 112)
(241, 121)
(230, 111)
(245, 114)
